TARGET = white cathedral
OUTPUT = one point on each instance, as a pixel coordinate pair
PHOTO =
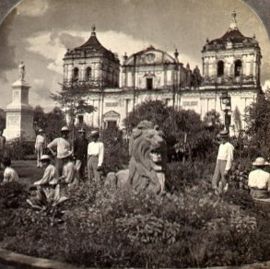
(230, 67)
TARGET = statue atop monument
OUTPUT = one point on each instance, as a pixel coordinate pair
(22, 71)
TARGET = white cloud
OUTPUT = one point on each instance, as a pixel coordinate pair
(32, 8)
(50, 48)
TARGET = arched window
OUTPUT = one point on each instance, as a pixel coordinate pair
(88, 73)
(237, 68)
(75, 74)
(220, 68)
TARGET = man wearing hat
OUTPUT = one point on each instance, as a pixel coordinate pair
(70, 171)
(80, 152)
(40, 145)
(49, 175)
(95, 152)
(223, 163)
(62, 146)
(259, 180)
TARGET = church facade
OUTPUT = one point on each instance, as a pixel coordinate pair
(230, 66)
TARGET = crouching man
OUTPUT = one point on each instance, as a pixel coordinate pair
(50, 175)
(70, 171)
(259, 180)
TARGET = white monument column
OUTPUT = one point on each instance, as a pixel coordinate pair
(19, 114)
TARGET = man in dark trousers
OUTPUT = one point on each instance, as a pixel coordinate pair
(80, 152)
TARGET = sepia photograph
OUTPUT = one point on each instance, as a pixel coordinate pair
(134, 134)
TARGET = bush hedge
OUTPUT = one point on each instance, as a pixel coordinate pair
(188, 228)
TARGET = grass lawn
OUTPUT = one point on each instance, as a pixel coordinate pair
(27, 171)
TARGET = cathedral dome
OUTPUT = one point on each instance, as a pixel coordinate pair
(92, 47)
(233, 38)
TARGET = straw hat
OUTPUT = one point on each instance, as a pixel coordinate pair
(224, 133)
(260, 161)
(65, 129)
(45, 157)
(41, 130)
(94, 133)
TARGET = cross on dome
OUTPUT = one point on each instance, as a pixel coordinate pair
(93, 29)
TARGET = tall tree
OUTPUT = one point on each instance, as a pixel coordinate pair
(176, 125)
(73, 100)
(40, 120)
(55, 121)
(258, 125)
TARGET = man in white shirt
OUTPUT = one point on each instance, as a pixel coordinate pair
(49, 175)
(223, 163)
(95, 153)
(259, 180)
(10, 175)
(62, 146)
(40, 146)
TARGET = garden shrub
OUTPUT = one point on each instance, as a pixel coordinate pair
(125, 229)
(116, 150)
(19, 150)
(188, 173)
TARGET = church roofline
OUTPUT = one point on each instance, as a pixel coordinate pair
(148, 49)
(232, 36)
(91, 48)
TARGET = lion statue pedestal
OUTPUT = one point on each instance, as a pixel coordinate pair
(143, 175)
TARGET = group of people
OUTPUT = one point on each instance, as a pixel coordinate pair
(62, 160)
(67, 162)
(70, 159)
(258, 178)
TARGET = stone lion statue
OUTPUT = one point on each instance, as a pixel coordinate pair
(143, 174)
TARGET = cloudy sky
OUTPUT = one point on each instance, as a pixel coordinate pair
(39, 32)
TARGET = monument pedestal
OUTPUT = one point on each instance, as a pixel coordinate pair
(19, 114)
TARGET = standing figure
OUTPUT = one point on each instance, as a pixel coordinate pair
(95, 153)
(40, 146)
(259, 180)
(10, 175)
(223, 163)
(2, 146)
(62, 145)
(80, 152)
(22, 71)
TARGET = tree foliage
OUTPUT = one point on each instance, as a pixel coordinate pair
(40, 120)
(73, 99)
(176, 125)
(258, 125)
(212, 119)
(50, 122)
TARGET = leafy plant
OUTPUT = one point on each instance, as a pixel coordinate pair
(47, 200)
